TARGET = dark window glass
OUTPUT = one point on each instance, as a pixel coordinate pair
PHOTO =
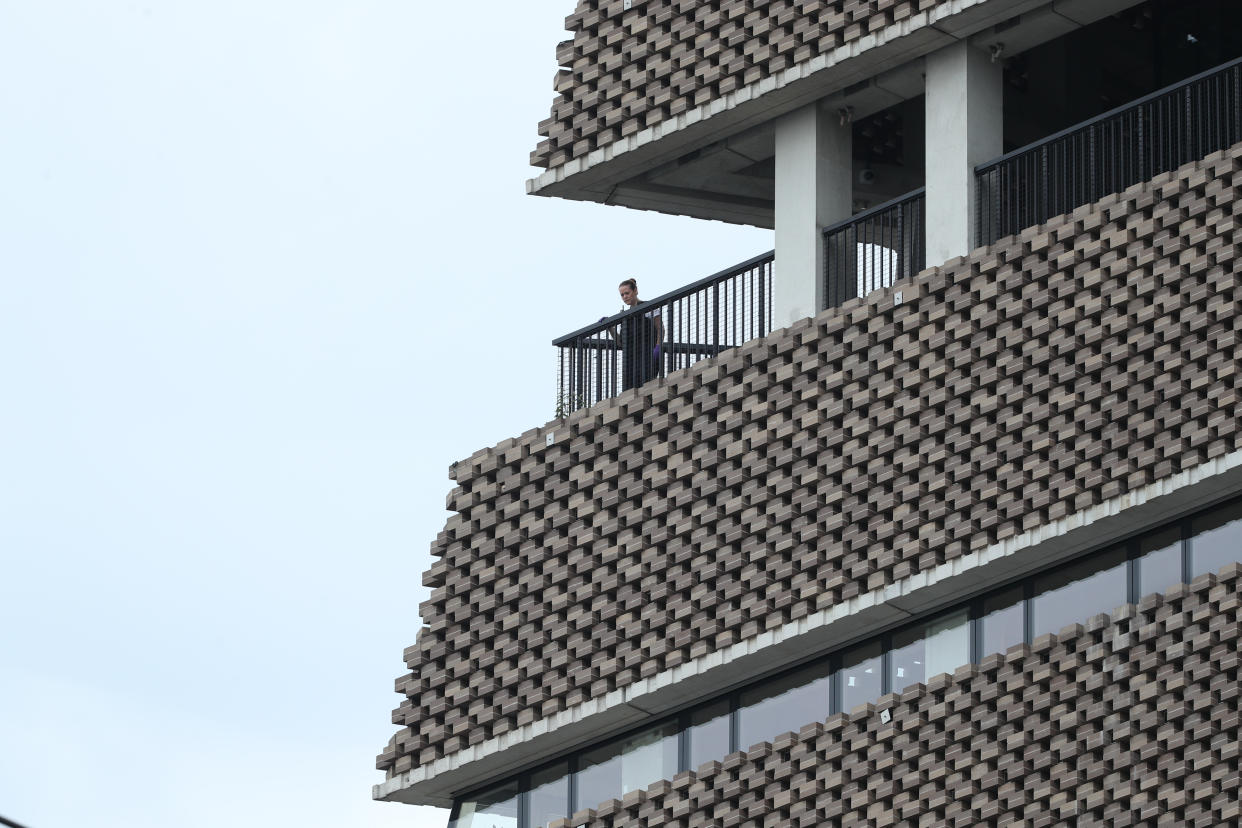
(549, 795)
(1076, 592)
(1216, 539)
(630, 764)
(709, 734)
(1003, 621)
(939, 646)
(783, 704)
(1160, 561)
(861, 676)
(498, 808)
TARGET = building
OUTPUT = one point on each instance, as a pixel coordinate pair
(931, 516)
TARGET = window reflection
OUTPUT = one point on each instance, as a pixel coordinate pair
(1160, 561)
(939, 646)
(861, 676)
(498, 808)
(1003, 621)
(549, 795)
(1078, 591)
(783, 704)
(709, 734)
(1217, 539)
(612, 771)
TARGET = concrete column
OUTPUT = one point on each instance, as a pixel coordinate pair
(814, 179)
(965, 127)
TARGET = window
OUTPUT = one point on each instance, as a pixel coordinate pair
(782, 704)
(861, 676)
(709, 733)
(1076, 592)
(1003, 621)
(1160, 561)
(939, 646)
(1217, 539)
(549, 795)
(613, 770)
(498, 808)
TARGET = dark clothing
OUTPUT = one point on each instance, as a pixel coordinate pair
(640, 360)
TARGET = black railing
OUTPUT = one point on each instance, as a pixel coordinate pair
(665, 334)
(874, 248)
(1133, 143)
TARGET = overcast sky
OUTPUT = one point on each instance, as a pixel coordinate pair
(268, 268)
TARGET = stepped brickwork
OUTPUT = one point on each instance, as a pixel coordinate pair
(1042, 375)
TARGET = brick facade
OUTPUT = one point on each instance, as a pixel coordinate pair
(1128, 720)
(1040, 376)
(629, 69)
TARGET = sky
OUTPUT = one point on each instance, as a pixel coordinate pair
(268, 269)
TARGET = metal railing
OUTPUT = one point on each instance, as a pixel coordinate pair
(665, 334)
(1133, 143)
(874, 248)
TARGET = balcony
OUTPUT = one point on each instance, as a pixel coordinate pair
(666, 334)
(880, 246)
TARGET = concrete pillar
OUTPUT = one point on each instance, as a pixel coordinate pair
(814, 179)
(965, 127)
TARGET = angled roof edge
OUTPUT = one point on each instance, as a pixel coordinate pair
(596, 175)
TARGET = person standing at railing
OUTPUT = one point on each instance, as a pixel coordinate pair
(640, 335)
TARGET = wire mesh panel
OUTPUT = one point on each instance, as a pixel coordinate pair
(1109, 153)
(665, 334)
(874, 249)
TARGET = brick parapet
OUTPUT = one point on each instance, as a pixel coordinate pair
(1124, 720)
(1048, 373)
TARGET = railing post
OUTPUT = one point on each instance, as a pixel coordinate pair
(716, 315)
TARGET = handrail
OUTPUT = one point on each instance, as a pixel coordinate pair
(874, 211)
(671, 296)
(874, 248)
(668, 333)
(1112, 113)
(1128, 144)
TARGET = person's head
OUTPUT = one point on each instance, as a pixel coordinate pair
(629, 292)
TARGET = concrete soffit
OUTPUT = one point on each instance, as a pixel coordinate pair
(818, 633)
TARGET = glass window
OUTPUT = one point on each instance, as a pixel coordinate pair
(1076, 592)
(498, 808)
(631, 764)
(861, 676)
(1160, 561)
(709, 734)
(939, 646)
(1216, 539)
(783, 704)
(549, 795)
(1003, 621)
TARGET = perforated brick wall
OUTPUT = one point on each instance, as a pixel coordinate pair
(1128, 720)
(1038, 377)
(625, 70)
